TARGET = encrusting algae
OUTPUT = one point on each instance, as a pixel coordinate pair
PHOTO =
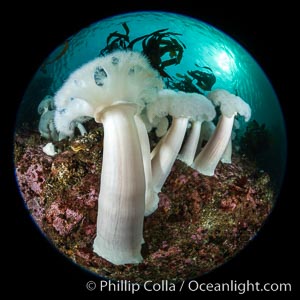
(200, 223)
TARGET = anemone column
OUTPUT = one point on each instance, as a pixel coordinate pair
(167, 151)
(151, 198)
(208, 158)
(189, 148)
(230, 105)
(121, 202)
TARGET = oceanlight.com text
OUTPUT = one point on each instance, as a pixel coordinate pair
(239, 287)
(193, 286)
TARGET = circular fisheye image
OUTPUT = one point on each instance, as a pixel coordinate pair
(150, 146)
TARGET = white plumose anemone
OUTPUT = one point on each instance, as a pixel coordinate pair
(182, 107)
(230, 105)
(113, 90)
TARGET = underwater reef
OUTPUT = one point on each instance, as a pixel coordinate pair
(137, 173)
(201, 221)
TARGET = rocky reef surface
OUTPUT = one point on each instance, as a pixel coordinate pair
(201, 221)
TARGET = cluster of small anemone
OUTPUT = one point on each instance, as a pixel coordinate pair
(124, 93)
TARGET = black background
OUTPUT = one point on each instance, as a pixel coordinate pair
(31, 33)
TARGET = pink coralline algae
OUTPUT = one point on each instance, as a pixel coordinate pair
(182, 179)
(88, 197)
(229, 204)
(90, 229)
(36, 209)
(32, 171)
(34, 178)
(164, 202)
(199, 235)
(63, 219)
(166, 252)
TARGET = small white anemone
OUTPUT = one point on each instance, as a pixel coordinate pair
(46, 122)
(204, 111)
(46, 104)
(49, 149)
(47, 127)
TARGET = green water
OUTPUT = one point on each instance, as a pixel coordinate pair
(235, 70)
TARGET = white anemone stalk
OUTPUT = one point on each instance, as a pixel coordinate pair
(167, 152)
(151, 198)
(121, 202)
(113, 90)
(227, 155)
(230, 105)
(207, 130)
